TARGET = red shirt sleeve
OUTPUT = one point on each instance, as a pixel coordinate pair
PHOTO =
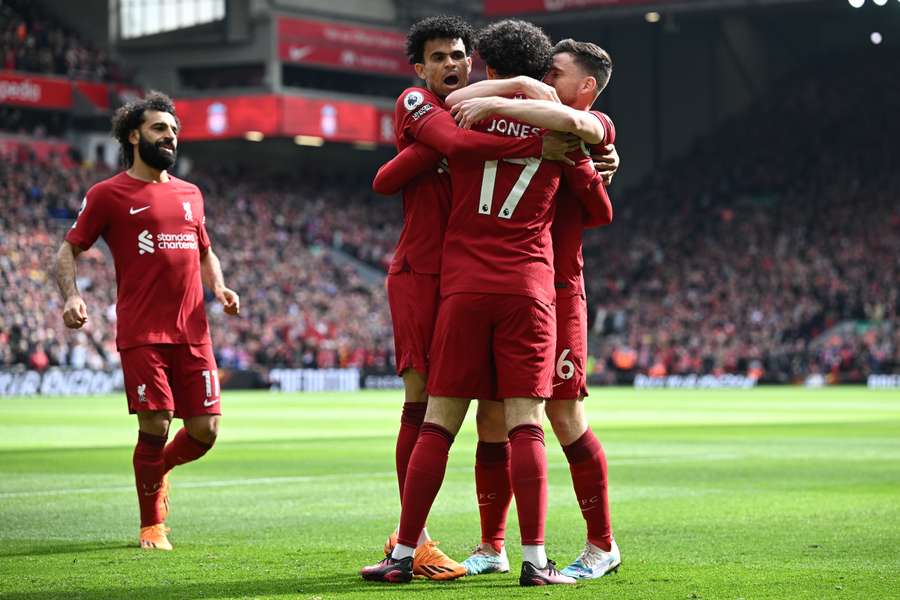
(202, 235)
(421, 115)
(411, 162)
(91, 221)
(608, 127)
(587, 187)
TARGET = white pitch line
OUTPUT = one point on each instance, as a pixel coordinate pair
(311, 478)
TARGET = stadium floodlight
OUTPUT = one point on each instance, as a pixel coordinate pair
(880, 2)
(308, 140)
(254, 136)
(652, 17)
(875, 37)
(856, 3)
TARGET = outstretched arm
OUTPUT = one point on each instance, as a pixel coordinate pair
(412, 161)
(540, 113)
(531, 88)
(441, 133)
(211, 274)
(75, 310)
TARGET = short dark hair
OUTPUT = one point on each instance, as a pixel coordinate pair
(591, 58)
(513, 47)
(130, 117)
(441, 27)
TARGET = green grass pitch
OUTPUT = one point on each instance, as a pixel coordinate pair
(767, 493)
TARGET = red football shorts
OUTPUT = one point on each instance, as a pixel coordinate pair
(177, 377)
(413, 298)
(569, 377)
(492, 346)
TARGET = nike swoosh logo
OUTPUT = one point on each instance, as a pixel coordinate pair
(587, 509)
(208, 403)
(132, 211)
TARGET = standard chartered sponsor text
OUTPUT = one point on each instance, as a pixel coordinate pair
(176, 241)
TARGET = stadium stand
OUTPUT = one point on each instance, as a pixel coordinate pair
(35, 42)
(756, 255)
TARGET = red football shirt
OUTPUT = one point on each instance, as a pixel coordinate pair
(420, 115)
(570, 220)
(156, 233)
(498, 235)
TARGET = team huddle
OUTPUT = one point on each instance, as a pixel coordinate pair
(486, 287)
(499, 180)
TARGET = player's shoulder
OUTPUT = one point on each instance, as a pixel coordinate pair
(106, 188)
(184, 187)
(414, 98)
(608, 125)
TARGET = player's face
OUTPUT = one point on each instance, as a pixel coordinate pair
(446, 67)
(568, 79)
(158, 139)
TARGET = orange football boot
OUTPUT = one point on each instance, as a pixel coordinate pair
(390, 543)
(154, 537)
(430, 562)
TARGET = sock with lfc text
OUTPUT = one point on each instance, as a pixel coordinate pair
(528, 469)
(148, 476)
(493, 487)
(587, 463)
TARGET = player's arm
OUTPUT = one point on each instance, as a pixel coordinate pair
(530, 87)
(441, 133)
(586, 185)
(412, 161)
(75, 310)
(211, 274)
(540, 113)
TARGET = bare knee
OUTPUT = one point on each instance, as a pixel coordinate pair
(414, 386)
(491, 421)
(567, 419)
(522, 411)
(204, 428)
(447, 412)
(155, 422)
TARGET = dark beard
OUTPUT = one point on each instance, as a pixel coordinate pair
(154, 156)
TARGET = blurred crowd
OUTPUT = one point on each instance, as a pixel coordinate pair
(743, 257)
(33, 41)
(278, 241)
(772, 250)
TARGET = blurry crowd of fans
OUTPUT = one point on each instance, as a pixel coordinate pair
(33, 41)
(773, 251)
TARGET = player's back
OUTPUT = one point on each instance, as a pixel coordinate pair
(498, 234)
(426, 199)
(569, 222)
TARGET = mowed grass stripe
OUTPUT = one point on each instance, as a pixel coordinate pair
(768, 493)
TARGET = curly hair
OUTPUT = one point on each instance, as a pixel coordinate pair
(513, 47)
(441, 27)
(590, 58)
(130, 117)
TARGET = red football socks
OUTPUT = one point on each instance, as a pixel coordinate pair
(587, 463)
(424, 477)
(494, 490)
(183, 449)
(528, 468)
(148, 475)
(410, 422)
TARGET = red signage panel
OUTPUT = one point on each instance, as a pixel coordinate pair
(96, 93)
(342, 46)
(495, 8)
(332, 120)
(221, 118)
(35, 92)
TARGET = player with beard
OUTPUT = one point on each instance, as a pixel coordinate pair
(579, 73)
(439, 48)
(155, 227)
(495, 333)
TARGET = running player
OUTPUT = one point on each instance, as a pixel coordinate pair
(439, 48)
(155, 227)
(579, 74)
(495, 322)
